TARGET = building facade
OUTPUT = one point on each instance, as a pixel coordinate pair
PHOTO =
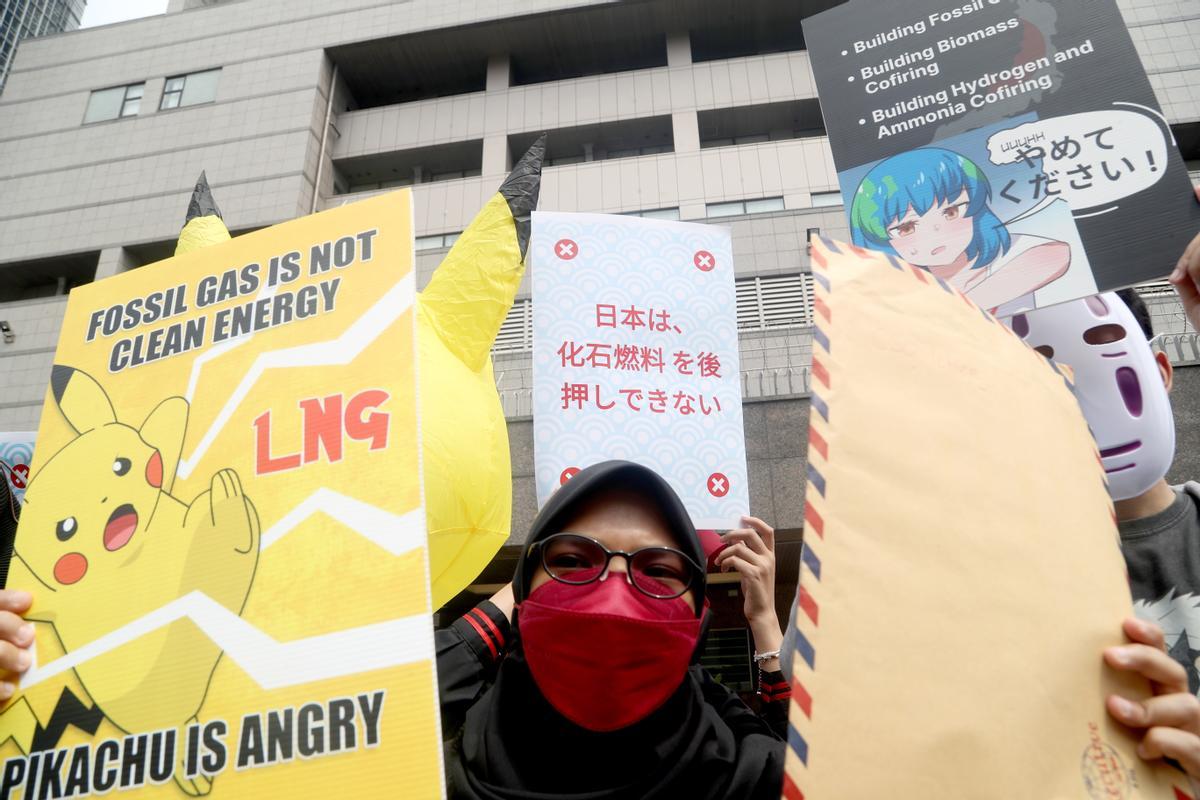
(698, 110)
(22, 19)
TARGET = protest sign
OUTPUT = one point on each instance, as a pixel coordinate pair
(16, 452)
(224, 532)
(1013, 148)
(961, 573)
(635, 356)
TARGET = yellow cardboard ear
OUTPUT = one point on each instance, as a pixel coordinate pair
(82, 401)
(203, 225)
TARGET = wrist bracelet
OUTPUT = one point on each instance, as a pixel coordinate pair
(759, 658)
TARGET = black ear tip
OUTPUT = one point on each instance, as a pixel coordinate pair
(60, 376)
(201, 203)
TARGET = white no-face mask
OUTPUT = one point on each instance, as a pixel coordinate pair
(1117, 383)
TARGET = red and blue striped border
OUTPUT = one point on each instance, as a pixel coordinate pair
(804, 662)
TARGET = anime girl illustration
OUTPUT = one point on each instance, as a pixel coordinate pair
(930, 207)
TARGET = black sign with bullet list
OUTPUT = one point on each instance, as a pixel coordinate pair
(1013, 148)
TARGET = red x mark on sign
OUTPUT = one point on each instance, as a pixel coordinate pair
(567, 474)
(704, 261)
(566, 249)
(718, 484)
(20, 475)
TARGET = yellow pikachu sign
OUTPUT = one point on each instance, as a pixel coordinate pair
(224, 532)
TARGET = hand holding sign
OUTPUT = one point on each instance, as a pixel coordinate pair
(1186, 278)
(15, 638)
(1170, 719)
(751, 553)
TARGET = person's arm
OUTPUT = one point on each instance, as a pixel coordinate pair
(736, 714)
(1025, 273)
(16, 636)
(751, 552)
(1186, 278)
(468, 654)
(1170, 720)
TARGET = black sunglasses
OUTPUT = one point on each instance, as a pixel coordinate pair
(659, 572)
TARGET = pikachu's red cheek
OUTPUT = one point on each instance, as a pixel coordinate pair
(70, 568)
(154, 470)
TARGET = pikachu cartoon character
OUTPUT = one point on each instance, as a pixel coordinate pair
(109, 543)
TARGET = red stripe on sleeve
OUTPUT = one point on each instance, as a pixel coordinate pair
(487, 639)
(486, 620)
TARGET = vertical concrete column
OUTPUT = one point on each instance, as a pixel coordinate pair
(114, 260)
(679, 49)
(496, 158)
(685, 127)
(152, 95)
(499, 73)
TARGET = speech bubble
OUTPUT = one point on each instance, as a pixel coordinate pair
(1090, 159)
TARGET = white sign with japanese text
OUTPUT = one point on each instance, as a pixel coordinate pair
(635, 356)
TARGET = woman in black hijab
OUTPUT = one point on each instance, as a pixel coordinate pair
(595, 691)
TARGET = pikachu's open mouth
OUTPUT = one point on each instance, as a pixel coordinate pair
(120, 528)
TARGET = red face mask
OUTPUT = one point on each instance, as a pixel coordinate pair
(603, 654)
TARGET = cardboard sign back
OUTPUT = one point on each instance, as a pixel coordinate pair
(961, 572)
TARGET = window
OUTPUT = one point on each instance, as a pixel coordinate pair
(826, 199)
(443, 162)
(763, 206)
(630, 138)
(658, 213)
(114, 103)
(190, 90)
(436, 242)
(779, 301)
(453, 174)
(768, 122)
(726, 29)
(739, 207)
(516, 332)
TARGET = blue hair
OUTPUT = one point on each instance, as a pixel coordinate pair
(921, 179)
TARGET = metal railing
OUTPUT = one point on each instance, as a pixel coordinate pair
(1182, 348)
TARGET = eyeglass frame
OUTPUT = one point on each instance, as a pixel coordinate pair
(694, 578)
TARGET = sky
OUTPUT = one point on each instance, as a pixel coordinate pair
(105, 12)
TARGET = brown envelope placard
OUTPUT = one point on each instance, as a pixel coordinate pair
(961, 572)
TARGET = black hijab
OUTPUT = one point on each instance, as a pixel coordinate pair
(702, 743)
